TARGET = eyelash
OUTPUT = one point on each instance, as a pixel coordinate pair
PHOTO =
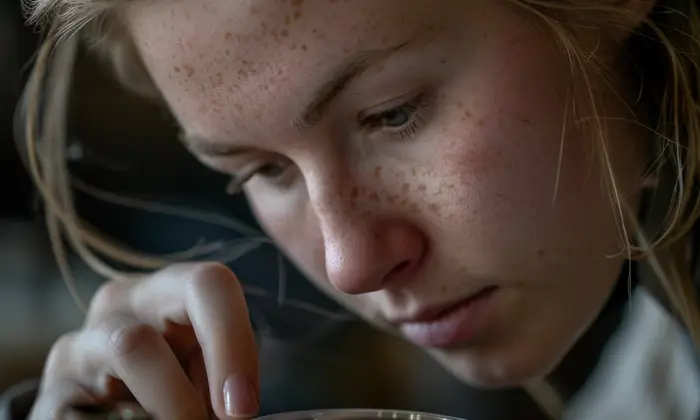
(235, 185)
(415, 108)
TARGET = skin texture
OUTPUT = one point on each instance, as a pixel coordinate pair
(480, 192)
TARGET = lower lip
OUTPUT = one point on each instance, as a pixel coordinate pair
(457, 326)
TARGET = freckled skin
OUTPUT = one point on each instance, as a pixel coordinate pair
(392, 225)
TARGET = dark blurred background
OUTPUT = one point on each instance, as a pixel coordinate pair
(314, 354)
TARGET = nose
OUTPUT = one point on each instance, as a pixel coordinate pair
(366, 254)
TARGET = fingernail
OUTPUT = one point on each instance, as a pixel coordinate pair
(240, 397)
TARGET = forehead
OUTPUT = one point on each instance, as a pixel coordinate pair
(223, 63)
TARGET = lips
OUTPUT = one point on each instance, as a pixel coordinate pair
(447, 325)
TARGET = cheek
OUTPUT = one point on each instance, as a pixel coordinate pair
(504, 140)
(517, 170)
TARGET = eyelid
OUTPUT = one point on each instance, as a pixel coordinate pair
(387, 106)
(243, 175)
(236, 183)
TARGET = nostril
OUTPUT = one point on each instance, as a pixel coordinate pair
(399, 268)
(397, 271)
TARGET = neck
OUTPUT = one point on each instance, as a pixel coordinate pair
(582, 360)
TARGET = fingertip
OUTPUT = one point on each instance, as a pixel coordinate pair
(241, 397)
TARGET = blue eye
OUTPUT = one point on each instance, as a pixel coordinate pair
(392, 118)
(399, 116)
(400, 121)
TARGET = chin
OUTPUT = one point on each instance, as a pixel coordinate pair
(494, 371)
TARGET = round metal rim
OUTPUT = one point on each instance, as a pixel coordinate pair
(356, 414)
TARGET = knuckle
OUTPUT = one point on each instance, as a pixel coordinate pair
(59, 352)
(106, 297)
(126, 340)
(211, 277)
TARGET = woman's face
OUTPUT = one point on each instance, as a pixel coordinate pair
(421, 161)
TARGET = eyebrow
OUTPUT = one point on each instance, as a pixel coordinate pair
(203, 146)
(340, 77)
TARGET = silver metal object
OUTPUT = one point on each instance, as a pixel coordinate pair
(356, 414)
(137, 413)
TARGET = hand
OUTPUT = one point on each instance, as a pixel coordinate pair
(178, 342)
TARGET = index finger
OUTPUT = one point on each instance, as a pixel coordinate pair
(211, 298)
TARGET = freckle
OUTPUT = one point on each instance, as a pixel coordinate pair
(284, 33)
(526, 121)
(540, 253)
(355, 192)
(287, 19)
(480, 122)
(304, 47)
(434, 208)
(422, 187)
(228, 52)
(297, 3)
(443, 61)
(378, 172)
(374, 197)
(230, 89)
(413, 171)
(390, 199)
(443, 288)
(228, 36)
(188, 69)
(297, 14)
(468, 114)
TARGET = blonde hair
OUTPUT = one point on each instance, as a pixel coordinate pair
(669, 85)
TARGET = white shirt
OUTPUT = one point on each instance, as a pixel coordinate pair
(647, 372)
